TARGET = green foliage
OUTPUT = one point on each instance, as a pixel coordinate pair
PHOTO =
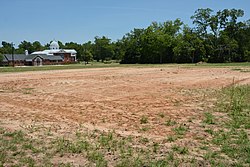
(6, 48)
(234, 139)
(180, 130)
(172, 138)
(179, 149)
(238, 106)
(97, 158)
(216, 38)
(209, 118)
(170, 122)
(1, 58)
(144, 119)
(103, 49)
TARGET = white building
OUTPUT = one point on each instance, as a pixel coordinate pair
(68, 55)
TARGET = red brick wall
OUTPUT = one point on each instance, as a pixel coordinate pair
(17, 63)
(67, 57)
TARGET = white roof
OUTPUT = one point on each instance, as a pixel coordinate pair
(51, 52)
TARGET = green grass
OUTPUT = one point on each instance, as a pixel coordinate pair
(232, 137)
(144, 119)
(56, 67)
(98, 148)
(180, 130)
(179, 149)
(171, 138)
(209, 118)
(170, 122)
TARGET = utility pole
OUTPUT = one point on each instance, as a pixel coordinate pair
(12, 52)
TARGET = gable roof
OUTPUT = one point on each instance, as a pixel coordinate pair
(17, 57)
(28, 58)
(43, 56)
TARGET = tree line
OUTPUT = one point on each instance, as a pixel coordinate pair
(214, 37)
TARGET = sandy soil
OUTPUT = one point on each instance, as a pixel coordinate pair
(113, 98)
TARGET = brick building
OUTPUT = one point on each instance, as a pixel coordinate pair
(52, 56)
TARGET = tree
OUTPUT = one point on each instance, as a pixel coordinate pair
(103, 49)
(61, 45)
(219, 31)
(151, 45)
(132, 46)
(190, 48)
(1, 58)
(37, 46)
(88, 56)
(7, 48)
(76, 46)
(201, 19)
(119, 50)
(26, 46)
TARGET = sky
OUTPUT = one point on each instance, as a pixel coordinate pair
(81, 20)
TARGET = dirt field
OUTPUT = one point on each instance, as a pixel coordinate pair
(108, 99)
(130, 101)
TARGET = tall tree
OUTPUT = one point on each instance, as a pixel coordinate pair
(102, 48)
(37, 46)
(219, 31)
(24, 45)
(189, 48)
(76, 46)
(1, 58)
(6, 48)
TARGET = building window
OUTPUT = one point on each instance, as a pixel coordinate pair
(62, 55)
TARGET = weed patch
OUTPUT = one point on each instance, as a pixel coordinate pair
(233, 138)
(144, 119)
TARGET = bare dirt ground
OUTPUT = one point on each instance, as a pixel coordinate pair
(111, 98)
(116, 99)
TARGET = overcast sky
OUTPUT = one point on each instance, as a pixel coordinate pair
(81, 20)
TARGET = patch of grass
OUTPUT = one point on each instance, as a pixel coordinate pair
(233, 139)
(145, 129)
(209, 118)
(245, 70)
(210, 155)
(64, 146)
(16, 149)
(162, 115)
(144, 140)
(27, 90)
(144, 119)
(180, 130)
(97, 158)
(237, 105)
(57, 67)
(155, 147)
(172, 138)
(209, 131)
(170, 157)
(170, 122)
(236, 69)
(241, 70)
(179, 149)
